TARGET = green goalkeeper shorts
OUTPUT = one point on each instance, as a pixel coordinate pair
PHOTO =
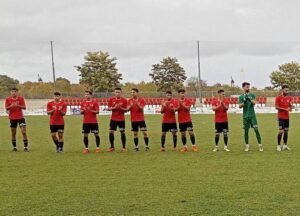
(250, 122)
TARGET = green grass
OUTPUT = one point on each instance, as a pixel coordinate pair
(42, 182)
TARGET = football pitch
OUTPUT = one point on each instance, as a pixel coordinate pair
(43, 182)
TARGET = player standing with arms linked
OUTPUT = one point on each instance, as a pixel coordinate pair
(14, 106)
(118, 106)
(220, 106)
(168, 121)
(89, 109)
(247, 103)
(183, 107)
(283, 104)
(57, 109)
(136, 108)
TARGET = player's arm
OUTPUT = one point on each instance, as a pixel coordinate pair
(185, 106)
(124, 107)
(111, 107)
(8, 105)
(225, 105)
(140, 104)
(278, 107)
(242, 102)
(129, 107)
(22, 105)
(163, 106)
(215, 108)
(63, 110)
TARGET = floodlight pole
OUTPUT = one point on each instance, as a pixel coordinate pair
(199, 74)
(53, 68)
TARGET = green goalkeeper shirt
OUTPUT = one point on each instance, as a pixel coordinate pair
(248, 109)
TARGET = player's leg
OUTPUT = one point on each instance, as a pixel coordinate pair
(143, 127)
(183, 130)
(280, 134)
(163, 141)
(85, 131)
(54, 137)
(174, 134)
(24, 134)
(285, 135)
(112, 129)
(257, 134)
(225, 136)
(13, 128)
(95, 131)
(61, 141)
(121, 126)
(246, 124)
(190, 130)
(217, 137)
(135, 130)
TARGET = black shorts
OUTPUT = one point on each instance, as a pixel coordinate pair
(90, 128)
(113, 125)
(16, 122)
(221, 127)
(187, 126)
(169, 127)
(284, 124)
(135, 126)
(57, 128)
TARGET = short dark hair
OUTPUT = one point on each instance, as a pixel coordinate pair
(89, 92)
(245, 84)
(14, 89)
(135, 89)
(118, 88)
(220, 91)
(284, 86)
(181, 90)
(57, 93)
(168, 92)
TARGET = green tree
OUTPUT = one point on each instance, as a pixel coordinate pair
(168, 74)
(63, 85)
(6, 83)
(99, 72)
(192, 84)
(288, 73)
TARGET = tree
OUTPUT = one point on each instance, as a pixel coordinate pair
(168, 74)
(63, 85)
(288, 73)
(193, 84)
(6, 83)
(99, 71)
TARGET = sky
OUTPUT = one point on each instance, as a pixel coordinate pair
(242, 39)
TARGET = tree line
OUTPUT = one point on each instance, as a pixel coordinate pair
(99, 73)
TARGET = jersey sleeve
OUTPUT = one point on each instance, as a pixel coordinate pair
(125, 103)
(64, 107)
(81, 104)
(7, 103)
(213, 103)
(22, 102)
(110, 103)
(49, 107)
(241, 99)
(142, 103)
(188, 103)
(96, 105)
(254, 97)
(277, 101)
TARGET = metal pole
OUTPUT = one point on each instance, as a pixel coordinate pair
(199, 73)
(53, 68)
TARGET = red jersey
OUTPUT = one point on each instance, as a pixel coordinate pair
(136, 113)
(283, 102)
(56, 118)
(89, 116)
(221, 113)
(15, 113)
(169, 113)
(184, 115)
(118, 114)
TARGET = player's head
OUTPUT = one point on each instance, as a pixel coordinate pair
(181, 93)
(88, 94)
(57, 96)
(118, 92)
(285, 89)
(169, 95)
(134, 92)
(221, 93)
(246, 86)
(14, 91)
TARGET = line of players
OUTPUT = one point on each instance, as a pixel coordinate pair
(118, 105)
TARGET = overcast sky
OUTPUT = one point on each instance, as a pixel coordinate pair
(252, 36)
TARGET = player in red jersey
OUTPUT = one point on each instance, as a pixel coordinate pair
(118, 106)
(90, 108)
(183, 107)
(14, 106)
(136, 108)
(283, 104)
(168, 121)
(57, 109)
(220, 106)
